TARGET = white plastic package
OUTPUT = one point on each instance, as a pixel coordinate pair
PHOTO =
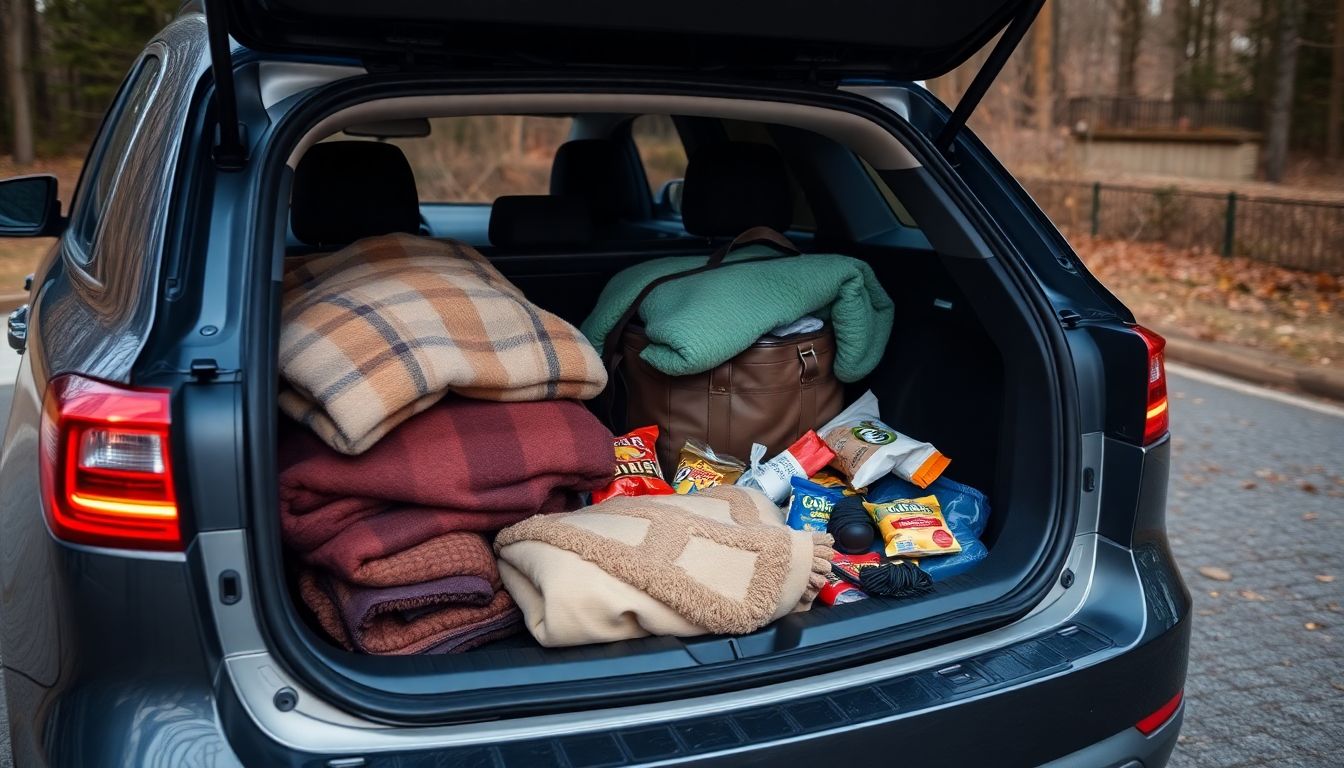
(866, 448)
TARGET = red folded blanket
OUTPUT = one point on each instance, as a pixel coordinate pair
(462, 465)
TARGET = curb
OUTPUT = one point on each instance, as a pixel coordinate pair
(1254, 366)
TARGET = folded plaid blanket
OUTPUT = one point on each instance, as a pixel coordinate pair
(452, 601)
(382, 329)
(719, 561)
(461, 465)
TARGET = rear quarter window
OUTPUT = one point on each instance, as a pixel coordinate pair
(102, 170)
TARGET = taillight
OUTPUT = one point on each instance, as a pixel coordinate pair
(1156, 419)
(106, 476)
(1160, 716)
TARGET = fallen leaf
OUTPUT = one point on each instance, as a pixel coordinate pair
(1215, 573)
(1253, 596)
(1309, 516)
(1215, 593)
(1325, 578)
(1249, 485)
(1311, 626)
(1308, 487)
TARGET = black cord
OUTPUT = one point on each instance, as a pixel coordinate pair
(898, 579)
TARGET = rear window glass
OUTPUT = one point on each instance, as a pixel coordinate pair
(660, 149)
(477, 159)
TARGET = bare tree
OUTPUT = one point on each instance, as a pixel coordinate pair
(1131, 37)
(1281, 100)
(16, 79)
(1043, 70)
(1334, 110)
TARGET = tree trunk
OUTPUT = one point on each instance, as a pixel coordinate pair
(1281, 102)
(16, 80)
(1334, 110)
(1131, 35)
(1042, 77)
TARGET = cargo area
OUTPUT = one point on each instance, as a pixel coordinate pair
(964, 367)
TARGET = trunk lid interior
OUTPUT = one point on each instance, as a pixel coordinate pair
(870, 38)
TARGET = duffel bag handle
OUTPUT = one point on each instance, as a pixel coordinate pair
(611, 346)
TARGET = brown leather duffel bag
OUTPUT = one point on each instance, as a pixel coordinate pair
(771, 393)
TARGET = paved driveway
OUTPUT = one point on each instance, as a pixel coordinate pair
(1257, 497)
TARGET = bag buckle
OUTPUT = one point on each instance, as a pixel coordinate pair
(808, 357)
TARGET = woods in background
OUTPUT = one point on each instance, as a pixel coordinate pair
(63, 59)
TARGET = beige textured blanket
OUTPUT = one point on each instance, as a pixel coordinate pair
(716, 562)
(383, 328)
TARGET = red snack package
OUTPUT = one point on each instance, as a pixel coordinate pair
(637, 470)
(838, 591)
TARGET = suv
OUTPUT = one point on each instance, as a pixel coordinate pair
(148, 611)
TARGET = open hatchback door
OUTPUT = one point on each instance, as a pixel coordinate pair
(792, 40)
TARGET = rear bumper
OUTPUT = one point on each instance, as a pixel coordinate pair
(1067, 684)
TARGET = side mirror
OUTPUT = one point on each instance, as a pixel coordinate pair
(29, 207)
(668, 199)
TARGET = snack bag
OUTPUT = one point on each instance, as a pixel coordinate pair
(833, 479)
(637, 470)
(913, 527)
(700, 468)
(801, 459)
(810, 508)
(866, 448)
(839, 591)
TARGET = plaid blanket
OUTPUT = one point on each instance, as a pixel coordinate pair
(382, 329)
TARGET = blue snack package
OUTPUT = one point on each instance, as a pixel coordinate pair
(811, 505)
(965, 509)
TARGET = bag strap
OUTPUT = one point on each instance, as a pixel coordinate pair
(753, 236)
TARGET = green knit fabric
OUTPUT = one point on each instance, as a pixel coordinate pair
(698, 322)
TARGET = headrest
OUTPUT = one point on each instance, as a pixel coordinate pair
(347, 190)
(595, 170)
(531, 221)
(734, 186)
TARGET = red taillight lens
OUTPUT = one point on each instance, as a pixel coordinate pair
(106, 476)
(1156, 420)
(1160, 717)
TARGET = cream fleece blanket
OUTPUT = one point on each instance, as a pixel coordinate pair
(717, 562)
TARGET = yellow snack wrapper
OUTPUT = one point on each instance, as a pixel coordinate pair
(831, 478)
(913, 527)
(700, 467)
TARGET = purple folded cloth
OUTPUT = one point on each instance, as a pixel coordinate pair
(482, 632)
(361, 606)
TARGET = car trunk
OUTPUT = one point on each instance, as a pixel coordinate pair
(972, 366)
(963, 370)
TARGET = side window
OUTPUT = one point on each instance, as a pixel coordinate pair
(660, 150)
(104, 163)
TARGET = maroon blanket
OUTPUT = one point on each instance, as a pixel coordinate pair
(441, 596)
(462, 465)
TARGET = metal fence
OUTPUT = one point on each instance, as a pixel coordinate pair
(1299, 234)
(1117, 113)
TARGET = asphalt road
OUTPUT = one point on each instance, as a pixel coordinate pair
(1257, 521)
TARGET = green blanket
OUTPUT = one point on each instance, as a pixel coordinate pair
(695, 323)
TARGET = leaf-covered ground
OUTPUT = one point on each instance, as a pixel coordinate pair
(1235, 300)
